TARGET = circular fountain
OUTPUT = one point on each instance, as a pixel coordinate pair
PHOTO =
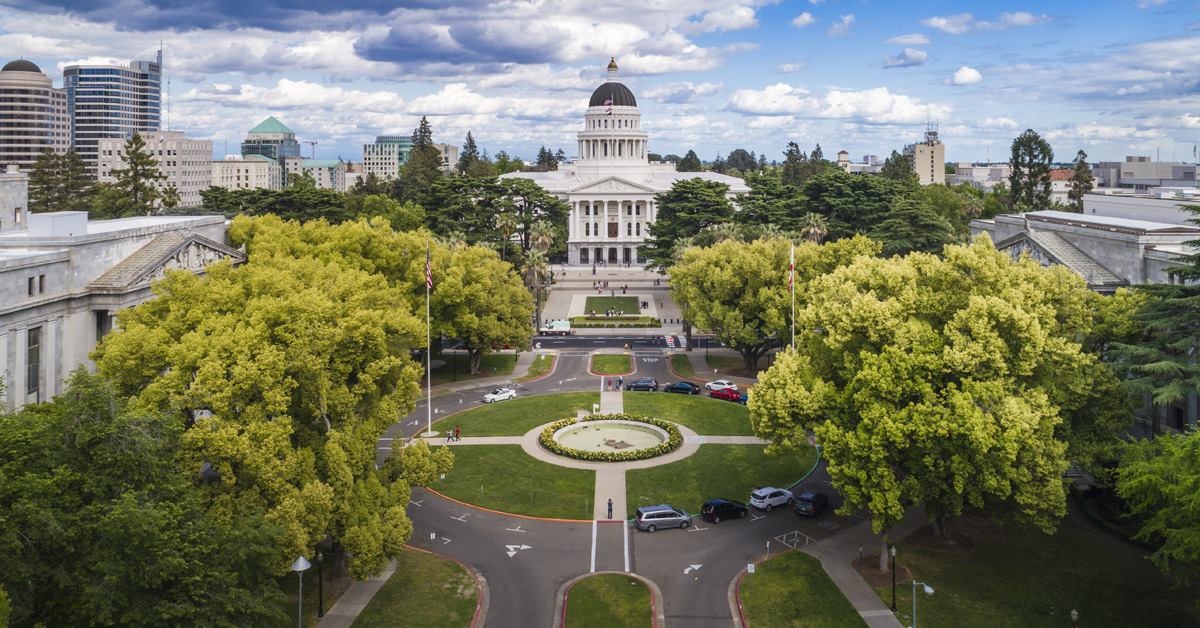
(611, 438)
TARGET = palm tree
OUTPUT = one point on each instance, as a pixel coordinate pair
(507, 224)
(814, 227)
(542, 235)
(534, 269)
(453, 239)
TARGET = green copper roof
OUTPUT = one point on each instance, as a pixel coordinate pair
(271, 125)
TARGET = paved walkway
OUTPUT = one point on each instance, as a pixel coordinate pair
(355, 599)
(610, 479)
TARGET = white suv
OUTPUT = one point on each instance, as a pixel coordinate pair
(500, 394)
(769, 497)
(721, 384)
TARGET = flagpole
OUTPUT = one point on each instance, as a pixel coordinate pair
(792, 287)
(428, 348)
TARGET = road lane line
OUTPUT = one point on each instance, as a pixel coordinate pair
(625, 525)
(593, 570)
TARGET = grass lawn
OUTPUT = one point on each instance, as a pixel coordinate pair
(600, 305)
(1007, 575)
(732, 365)
(609, 601)
(426, 590)
(502, 477)
(681, 365)
(703, 414)
(334, 587)
(542, 363)
(793, 590)
(611, 364)
(458, 365)
(517, 416)
(729, 471)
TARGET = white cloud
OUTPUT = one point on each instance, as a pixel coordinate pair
(1150, 4)
(966, 75)
(777, 99)
(681, 92)
(1102, 132)
(771, 122)
(953, 24)
(728, 19)
(911, 39)
(1190, 121)
(804, 19)
(1000, 122)
(906, 58)
(792, 66)
(842, 25)
(1012, 20)
(876, 106)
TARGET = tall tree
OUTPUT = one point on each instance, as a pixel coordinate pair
(814, 227)
(1029, 182)
(137, 182)
(59, 183)
(44, 182)
(898, 167)
(423, 168)
(169, 197)
(770, 202)
(913, 225)
(469, 155)
(690, 206)
(1082, 181)
(742, 160)
(852, 204)
(794, 165)
(690, 163)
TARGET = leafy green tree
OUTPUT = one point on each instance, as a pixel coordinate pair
(99, 526)
(770, 202)
(506, 164)
(295, 202)
(469, 156)
(506, 224)
(5, 607)
(1082, 181)
(685, 210)
(795, 162)
(899, 167)
(738, 291)
(369, 185)
(481, 301)
(741, 159)
(1157, 478)
(913, 225)
(814, 227)
(852, 204)
(1029, 182)
(136, 183)
(44, 182)
(169, 197)
(954, 382)
(402, 217)
(59, 183)
(690, 163)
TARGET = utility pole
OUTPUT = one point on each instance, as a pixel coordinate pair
(312, 148)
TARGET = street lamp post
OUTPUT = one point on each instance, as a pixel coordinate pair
(892, 551)
(1075, 618)
(320, 585)
(928, 591)
(299, 566)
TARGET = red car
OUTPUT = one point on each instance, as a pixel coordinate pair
(728, 394)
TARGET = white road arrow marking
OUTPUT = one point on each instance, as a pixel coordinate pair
(445, 541)
(462, 517)
(416, 503)
(692, 568)
(513, 549)
(516, 529)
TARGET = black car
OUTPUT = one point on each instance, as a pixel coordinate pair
(715, 510)
(810, 503)
(686, 388)
(645, 383)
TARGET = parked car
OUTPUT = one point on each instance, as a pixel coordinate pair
(500, 394)
(644, 383)
(769, 497)
(811, 503)
(728, 394)
(651, 518)
(686, 388)
(715, 510)
(721, 384)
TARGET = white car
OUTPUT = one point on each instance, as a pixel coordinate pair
(769, 497)
(500, 394)
(721, 384)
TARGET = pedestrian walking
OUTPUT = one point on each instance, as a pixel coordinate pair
(620, 382)
(610, 508)
(457, 433)
(449, 435)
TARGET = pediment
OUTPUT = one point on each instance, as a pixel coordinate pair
(168, 251)
(613, 185)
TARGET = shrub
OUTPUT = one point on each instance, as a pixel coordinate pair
(674, 439)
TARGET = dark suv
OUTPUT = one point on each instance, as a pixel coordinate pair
(686, 388)
(811, 504)
(715, 510)
(645, 383)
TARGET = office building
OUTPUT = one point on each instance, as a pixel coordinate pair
(843, 162)
(272, 138)
(928, 158)
(33, 114)
(111, 102)
(186, 163)
(328, 174)
(384, 157)
(1141, 174)
(980, 176)
(449, 153)
(247, 172)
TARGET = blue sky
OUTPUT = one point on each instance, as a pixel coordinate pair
(1111, 77)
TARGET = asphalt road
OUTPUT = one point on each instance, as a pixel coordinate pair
(525, 560)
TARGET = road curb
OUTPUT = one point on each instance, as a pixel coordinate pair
(501, 512)
(483, 594)
(541, 377)
(657, 614)
(699, 381)
(735, 591)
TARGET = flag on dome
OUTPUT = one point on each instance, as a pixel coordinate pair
(608, 106)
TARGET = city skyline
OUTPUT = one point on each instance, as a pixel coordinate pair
(1116, 79)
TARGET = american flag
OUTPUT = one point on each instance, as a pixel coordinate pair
(428, 270)
(792, 270)
(608, 105)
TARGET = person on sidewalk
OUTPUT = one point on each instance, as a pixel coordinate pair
(457, 433)
(610, 508)
(620, 382)
(449, 435)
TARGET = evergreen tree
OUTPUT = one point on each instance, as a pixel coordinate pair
(689, 207)
(44, 177)
(559, 157)
(742, 160)
(76, 186)
(424, 166)
(1029, 183)
(469, 155)
(690, 163)
(817, 155)
(794, 161)
(423, 134)
(898, 167)
(913, 225)
(137, 182)
(1082, 181)
(719, 165)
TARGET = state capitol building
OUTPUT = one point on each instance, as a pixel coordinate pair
(610, 186)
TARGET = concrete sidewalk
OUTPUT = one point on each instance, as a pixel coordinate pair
(355, 599)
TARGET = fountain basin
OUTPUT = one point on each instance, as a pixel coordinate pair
(611, 437)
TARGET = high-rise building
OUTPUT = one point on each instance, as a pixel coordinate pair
(449, 153)
(384, 158)
(186, 163)
(928, 158)
(33, 114)
(111, 101)
(271, 138)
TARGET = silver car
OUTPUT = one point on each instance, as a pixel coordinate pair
(651, 518)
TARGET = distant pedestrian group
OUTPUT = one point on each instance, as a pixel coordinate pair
(454, 434)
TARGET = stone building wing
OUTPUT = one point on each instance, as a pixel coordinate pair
(167, 251)
(1048, 248)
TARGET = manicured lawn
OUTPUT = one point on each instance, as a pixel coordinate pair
(729, 471)
(1007, 575)
(502, 477)
(732, 365)
(542, 364)
(600, 305)
(458, 365)
(681, 365)
(426, 590)
(701, 413)
(793, 590)
(514, 417)
(611, 364)
(609, 601)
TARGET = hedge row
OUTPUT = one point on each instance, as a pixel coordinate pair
(674, 439)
